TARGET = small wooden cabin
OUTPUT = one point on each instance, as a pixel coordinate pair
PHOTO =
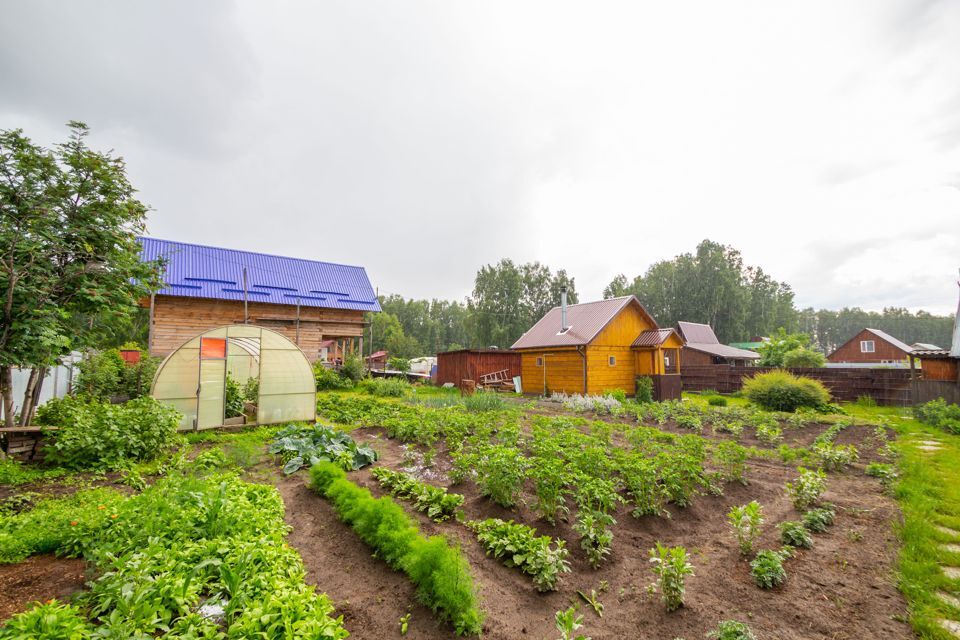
(597, 346)
(701, 346)
(319, 306)
(472, 364)
(871, 346)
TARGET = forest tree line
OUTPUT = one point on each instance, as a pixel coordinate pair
(712, 285)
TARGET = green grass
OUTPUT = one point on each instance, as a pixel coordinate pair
(13, 473)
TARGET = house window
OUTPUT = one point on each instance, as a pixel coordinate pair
(867, 346)
(539, 362)
(612, 360)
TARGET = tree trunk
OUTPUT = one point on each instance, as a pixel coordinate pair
(35, 399)
(26, 406)
(6, 390)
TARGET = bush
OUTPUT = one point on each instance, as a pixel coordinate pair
(717, 401)
(807, 489)
(439, 571)
(782, 391)
(767, 569)
(644, 392)
(97, 435)
(386, 387)
(518, 545)
(617, 394)
(746, 522)
(794, 534)
(803, 358)
(939, 414)
(817, 520)
(233, 402)
(732, 630)
(399, 364)
(484, 401)
(105, 374)
(866, 402)
(330, 380)
(353, 368)
(671, 568)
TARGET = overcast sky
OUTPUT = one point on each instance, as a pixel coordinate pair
(425, 139)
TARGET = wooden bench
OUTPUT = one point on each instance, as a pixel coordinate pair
(23, 440)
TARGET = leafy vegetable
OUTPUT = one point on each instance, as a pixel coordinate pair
(305, 445)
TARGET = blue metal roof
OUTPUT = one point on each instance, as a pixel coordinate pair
(197, 271)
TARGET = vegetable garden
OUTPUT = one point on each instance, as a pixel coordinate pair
(418, 514)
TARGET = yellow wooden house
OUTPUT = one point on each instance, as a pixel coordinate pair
(597, 346)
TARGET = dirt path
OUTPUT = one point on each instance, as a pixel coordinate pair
(38, 578)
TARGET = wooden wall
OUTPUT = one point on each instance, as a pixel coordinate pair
(940, 369)
(177, 319)
(694, 358)
(564, 371)
(850, 351)
(456, 366)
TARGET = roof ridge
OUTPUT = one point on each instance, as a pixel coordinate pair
(256, 253)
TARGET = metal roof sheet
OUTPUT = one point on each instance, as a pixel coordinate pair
(723, 350)
(198, 271)
(903, 346)
(697, 332)
(584, 322)
(653, 337)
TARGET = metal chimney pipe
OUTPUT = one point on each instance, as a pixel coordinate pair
(563, 309)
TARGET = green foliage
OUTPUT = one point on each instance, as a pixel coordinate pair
(519, 546)
(732, 630)
(484, 401)
(671, 567)
(549, 476)
(617, 394)
(568, 623)
(353, 368)
(773, 351)
(397, 363)
(386, 387)
(782, 391)
(53, 523)
(596, 538)
(817, 520)
(500, 471)
(439, 571)
(867, 402)
(104, 374)
(803, 358)
(689, 421)
(746, 521)
(302, 445)
(835, 457)
(644, 389)
(807, 489)
(233, 403)
(97, 435)
(434, 501)
(887, 473)
(717, 401)
(731, 460)
(51, 621)
(329, 380)
(938, 413)
(767, 570)
(794, 534)
(13, 473)
(769, 433)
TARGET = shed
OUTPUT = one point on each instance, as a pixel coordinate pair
(871, 346)
(471, 364)
(377, 360)
(596, 346)
(702, 347)
(319, 306)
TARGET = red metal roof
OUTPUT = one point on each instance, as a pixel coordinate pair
(653, 337)
(584, 322)
(722, 350)
(697, 332)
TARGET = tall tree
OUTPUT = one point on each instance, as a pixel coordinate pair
(68, 250)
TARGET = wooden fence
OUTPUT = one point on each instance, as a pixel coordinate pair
(927, 390)
(886, 386)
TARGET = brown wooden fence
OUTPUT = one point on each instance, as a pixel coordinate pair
(470, 364)
(927, 390)
(886, 386)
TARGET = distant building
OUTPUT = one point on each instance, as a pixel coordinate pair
(377, 360)
(871, 346)
(924, 346)
(702, 347)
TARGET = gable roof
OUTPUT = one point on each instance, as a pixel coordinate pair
(700, 337)
(584, 321)
(198, 271)
(654, 337)
(886, 337)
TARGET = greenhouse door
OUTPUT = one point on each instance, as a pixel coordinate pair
(213, 372)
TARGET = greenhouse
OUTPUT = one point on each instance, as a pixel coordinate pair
(194, 379)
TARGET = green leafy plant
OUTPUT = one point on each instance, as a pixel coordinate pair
(302, 445)
(397, 363)
(404, 623)
(887, 473)
(103, 375)
(782, 391)
(731, 460)
(386, 387)
(434, 501)
(352, 368)
(500, 471)
(771, 434)
(794, 534)
(803, 358)
(549, 477)
(568, 623)
(671, 567)
(329, 380)
(51, 621)
(439, 570)
(717, 401)
(593, 600)
(835, 457)
(617, 394)
(732, 630)
(518, 545)
(746, 521)
(767, 569)
(596, 538)
(233, 402)
(939, 413)
(484, 401)
(817, 520)
(806, 490)
(644, 389)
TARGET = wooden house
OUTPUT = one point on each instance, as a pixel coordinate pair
(872, 346)
(319, 306)
(473, 364)
(377, 360)
(596, 346)
(701, 346)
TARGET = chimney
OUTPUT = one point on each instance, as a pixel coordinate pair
(563, 309)
(955, 343)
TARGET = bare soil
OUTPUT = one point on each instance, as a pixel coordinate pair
(842, 589)
(38, 578)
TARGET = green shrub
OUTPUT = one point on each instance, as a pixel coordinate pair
(807, 489)
(353, 368)
(644, 390)
(500, 471)
(746, 521)
(439, 571)
(97, 435)
(233, 402)
(51, 621)
(939, 414)
(104, 374)
(671, 567)
(397, 363)
(866, 402)
(329, 380)
(519, 546)
(767, 569)
(434, 501)
(484, 401)
(817, 520)
(717, 401)
(386, 387)
(732, 630)
(617, 394)
(794, 534)
(803, 358)
(835, 457)
(782, 391)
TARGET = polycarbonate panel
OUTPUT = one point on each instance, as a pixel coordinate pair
(186, 406)
(243, 331)
(285, 372)
(287, 408)
(242, 367)
(272, 340)
(211, 401)
(178, 376)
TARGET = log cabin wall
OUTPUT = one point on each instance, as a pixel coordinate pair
(883, 350)
(177, 319)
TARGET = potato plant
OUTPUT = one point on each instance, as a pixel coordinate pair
(746, 521)
(518, 545)
(550, 477)
(434, 501)
(767, 569)
(806, 490)
(671, 567)
(499, 473)
(817, 520)
(794, 534)
(732, 630)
